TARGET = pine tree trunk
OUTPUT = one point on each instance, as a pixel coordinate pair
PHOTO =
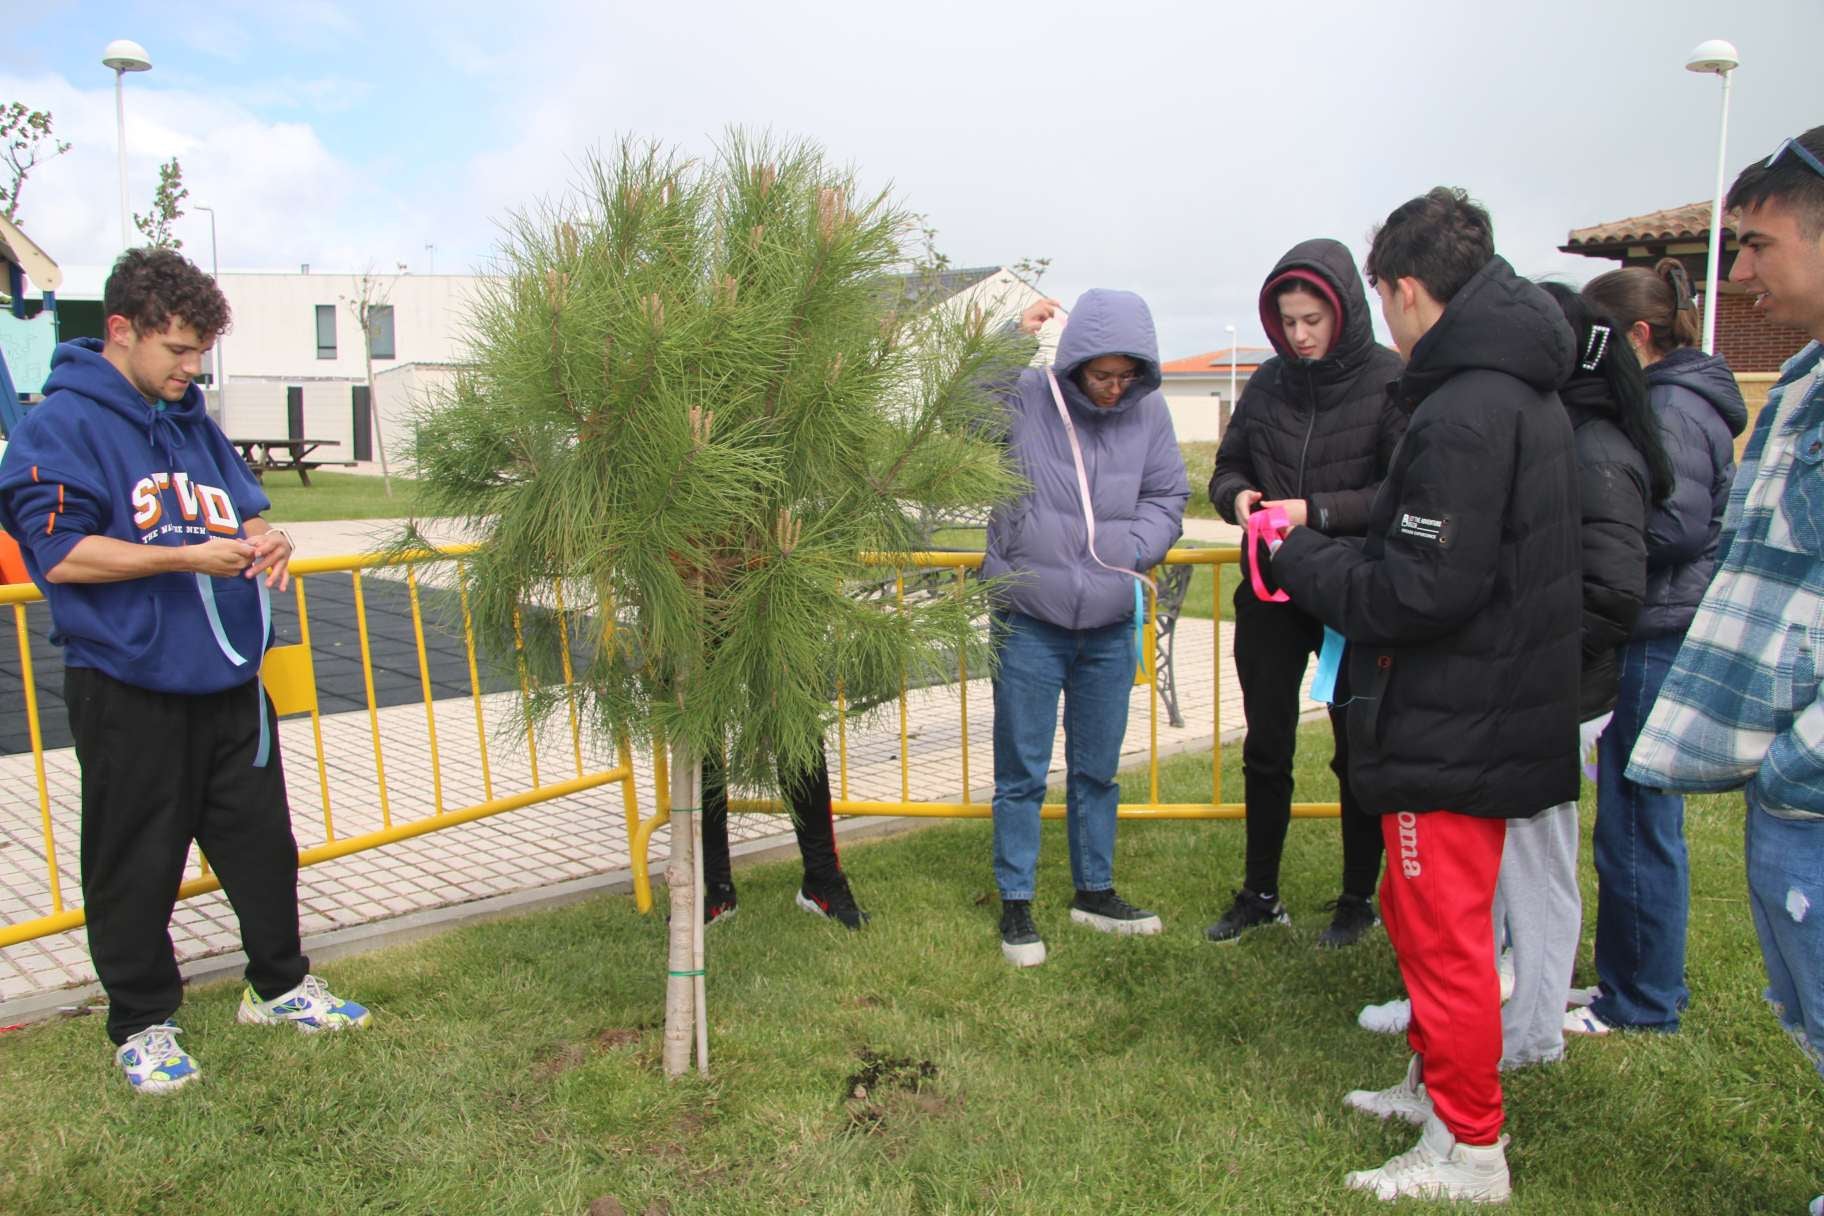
(685, 1017)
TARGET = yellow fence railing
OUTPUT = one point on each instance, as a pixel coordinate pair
(291, 680)
(970, 808)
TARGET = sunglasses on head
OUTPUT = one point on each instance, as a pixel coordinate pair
(1799, 150)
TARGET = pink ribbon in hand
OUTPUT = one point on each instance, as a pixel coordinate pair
(1265, 524)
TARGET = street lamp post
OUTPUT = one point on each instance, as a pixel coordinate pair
(215, 272)
(1234, 355)
(1720, 58)
(123, 55)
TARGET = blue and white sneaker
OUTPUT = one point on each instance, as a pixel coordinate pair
(153, 1061)
(310, 1007)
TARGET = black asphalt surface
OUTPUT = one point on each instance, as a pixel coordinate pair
(335, 651)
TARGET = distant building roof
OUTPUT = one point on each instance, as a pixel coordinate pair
(1247, 358)
(941, 285)
(1690, 222)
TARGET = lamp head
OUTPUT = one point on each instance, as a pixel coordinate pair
(125, 55)
(1715, 56)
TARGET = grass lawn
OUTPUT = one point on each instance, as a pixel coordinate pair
(337, 496)
(512, 1067)
(1199, 463)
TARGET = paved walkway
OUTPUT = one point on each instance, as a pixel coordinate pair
(578, 840)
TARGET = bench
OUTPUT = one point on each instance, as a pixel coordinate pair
(264, 454)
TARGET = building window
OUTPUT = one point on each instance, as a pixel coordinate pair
(380, 331)
(326, 331)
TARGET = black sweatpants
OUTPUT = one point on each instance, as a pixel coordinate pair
(1273, 643)
(807, 797)
(158, 771)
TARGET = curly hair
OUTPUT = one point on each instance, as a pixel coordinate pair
(149, 287)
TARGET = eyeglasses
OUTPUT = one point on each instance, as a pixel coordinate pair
(1106, 379)
(1798, 149)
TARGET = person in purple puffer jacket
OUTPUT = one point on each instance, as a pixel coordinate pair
(1106, 500)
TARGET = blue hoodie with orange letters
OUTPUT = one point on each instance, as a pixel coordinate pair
(95, 458)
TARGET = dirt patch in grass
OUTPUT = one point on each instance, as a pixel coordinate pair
(574, 1055)
(889, 1089)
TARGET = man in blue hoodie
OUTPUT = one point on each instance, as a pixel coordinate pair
(141, 526)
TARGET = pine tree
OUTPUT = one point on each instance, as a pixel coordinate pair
(698, 394)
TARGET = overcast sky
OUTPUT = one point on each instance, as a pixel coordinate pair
(1174, 149)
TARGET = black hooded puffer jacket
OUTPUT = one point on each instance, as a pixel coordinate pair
(1462, 607)
(1324, 429)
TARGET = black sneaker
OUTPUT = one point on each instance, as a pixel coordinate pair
(1108, 912)
(832, 898)
(1352, 916)
(1021, 944)
(718, 902)
(1249, 911)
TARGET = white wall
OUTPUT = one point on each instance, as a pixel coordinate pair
(275, 322)
(1196, 413)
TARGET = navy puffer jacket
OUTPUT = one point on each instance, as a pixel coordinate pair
(1700, 412)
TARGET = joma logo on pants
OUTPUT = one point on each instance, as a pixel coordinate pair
(1409, 843)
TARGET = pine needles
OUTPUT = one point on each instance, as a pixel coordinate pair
(699, 392)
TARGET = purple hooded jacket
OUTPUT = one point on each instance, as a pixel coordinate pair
(1130, 453)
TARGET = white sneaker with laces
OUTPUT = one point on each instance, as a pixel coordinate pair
(153, 1061)
(1393, 1017)
(1438, 1167)
(1407, 1100)
(311, 1007)
(1504, 967)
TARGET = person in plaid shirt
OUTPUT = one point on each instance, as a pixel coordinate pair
(1741, 706)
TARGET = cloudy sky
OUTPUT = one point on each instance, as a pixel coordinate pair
(1175, 149)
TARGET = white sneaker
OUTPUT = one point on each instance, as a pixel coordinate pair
(153, 1061)
(1504, 967)
(310, 1007)
(1583, 1020)
(1438, 1167)
(1391, 1018)
(1579, 997)
(1407, 1100)
(1817, 1206)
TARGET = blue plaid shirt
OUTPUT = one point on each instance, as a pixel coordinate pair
(1740, 706)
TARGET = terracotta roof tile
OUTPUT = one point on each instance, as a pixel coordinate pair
(1247, 359)
(1689, 222)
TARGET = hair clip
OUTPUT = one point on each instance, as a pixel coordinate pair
(1595, 348)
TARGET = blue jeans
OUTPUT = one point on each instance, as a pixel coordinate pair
(1643, 898)
(1094, 669)
(1786, 896)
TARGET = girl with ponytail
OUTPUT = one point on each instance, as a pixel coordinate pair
(1622, 471)
(1643, 899)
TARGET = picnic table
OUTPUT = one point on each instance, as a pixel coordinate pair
(264, 454)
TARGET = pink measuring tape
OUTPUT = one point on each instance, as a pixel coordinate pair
(1263, 524)
(1089, 514)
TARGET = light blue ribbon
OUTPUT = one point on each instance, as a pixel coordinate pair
(1139, 624)
(1329, 664)
(205, 587)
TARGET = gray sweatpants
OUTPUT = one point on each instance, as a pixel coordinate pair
(1538, 901)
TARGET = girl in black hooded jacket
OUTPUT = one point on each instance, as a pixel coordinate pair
(1313, 433)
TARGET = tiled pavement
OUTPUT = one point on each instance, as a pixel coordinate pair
(536, 847)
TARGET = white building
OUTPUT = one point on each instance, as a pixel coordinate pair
(1201, 392)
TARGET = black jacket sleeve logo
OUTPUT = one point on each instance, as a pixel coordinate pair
(1435, 529)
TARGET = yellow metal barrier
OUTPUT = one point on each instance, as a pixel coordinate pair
(968, 808)
(289, 676)
(290, 680)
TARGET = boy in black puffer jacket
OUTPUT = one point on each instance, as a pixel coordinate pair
(1461, 611)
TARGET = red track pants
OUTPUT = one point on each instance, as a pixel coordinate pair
(1441, 872)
